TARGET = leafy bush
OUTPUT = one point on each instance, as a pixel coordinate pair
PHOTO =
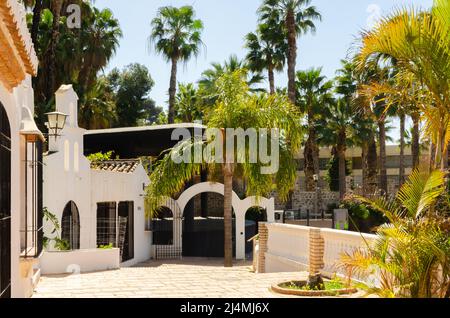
(106, 247)
(99, 156)
(59, 244)
(411, 254)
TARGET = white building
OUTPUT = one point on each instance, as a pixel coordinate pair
(20, 141)
(96, 205)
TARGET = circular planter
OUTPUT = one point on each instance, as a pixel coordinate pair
(310, 293)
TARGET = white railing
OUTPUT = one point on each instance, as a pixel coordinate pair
(338, 242)
(288, 247)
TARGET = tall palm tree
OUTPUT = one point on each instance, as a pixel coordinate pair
(298, 18)
(98, 109)
(236, 107)
(267, 49)
(56, 6)
(419, 41)
(346, 84)
(81, 53)
(337, 131)
(102, 32)
(232, 64)
(176, 35)
(313, 93)
(207, 82)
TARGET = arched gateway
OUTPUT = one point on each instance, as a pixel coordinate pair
(240, 208)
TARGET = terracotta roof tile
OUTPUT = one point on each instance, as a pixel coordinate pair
(122, 166)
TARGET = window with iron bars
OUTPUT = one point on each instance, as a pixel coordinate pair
(31, 229)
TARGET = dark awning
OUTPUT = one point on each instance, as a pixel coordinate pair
(134, 142)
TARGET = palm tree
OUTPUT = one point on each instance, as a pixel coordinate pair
(56, 6)
(232, 64)
(81, 53)
(376, 105)
(176, 35)
(235, 108)
(102, 32)
(411, 254)
(187, 105)
(267, 49)
(418, 40)
(298, 18)
(313, 92)
(346, 84)
(337, 130)
(98, 109)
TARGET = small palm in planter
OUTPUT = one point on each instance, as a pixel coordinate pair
(411, 254)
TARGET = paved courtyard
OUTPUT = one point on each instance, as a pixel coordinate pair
(186, 278)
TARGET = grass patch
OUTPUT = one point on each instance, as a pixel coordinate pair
(328, 285)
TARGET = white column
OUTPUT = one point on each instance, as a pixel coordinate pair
(240, 235)
(270, 210)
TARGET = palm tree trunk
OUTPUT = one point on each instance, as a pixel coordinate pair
(56, 10)
(401, 174)
(440, 151)
(364, 167)
(415, 147)
(371, 165)
(271, 79)
(36, 20)
(382, 158)
(342, 169)
(432, 152)
(311, 155)
(172, 90)
(291, 55)
(228, 215)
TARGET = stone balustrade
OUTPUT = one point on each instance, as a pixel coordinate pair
(290, 248)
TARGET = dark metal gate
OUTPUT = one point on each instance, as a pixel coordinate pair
(167, 235)
(70, 227)
(5, 205)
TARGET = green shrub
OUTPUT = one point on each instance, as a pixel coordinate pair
(99, 156)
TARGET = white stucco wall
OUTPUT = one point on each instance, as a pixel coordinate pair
(63, 184)
(80, 261)
(120, 187)
(68, 177)
(21, 96)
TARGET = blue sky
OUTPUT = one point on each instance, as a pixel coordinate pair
(228, 21)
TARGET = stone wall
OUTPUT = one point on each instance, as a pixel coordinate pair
(302, 200)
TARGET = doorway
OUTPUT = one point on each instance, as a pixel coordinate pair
(5, 205)
(70, 226)
(126, 211)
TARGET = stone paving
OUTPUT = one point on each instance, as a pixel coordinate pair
(186, 278)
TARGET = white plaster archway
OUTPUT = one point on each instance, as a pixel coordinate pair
(177, 223)
(203, 187)
(240, 209)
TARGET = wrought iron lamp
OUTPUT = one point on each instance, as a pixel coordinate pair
(56, 123)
